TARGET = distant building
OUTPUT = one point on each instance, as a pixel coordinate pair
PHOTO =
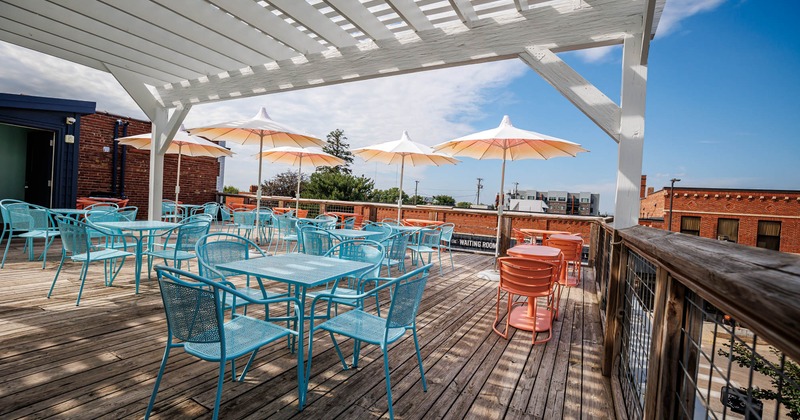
(561, 202)
(531, 206)
(762, 218)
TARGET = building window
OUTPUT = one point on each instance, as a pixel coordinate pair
(690, 225)
(728, 230)
(769, 235)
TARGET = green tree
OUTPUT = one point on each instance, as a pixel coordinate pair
(284, 184)
(790, 395)
(463, 204)
(444, 200)
(230, 189)
(337, 146)
(388, 196)
(338, 186)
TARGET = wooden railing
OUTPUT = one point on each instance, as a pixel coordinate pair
(468, 221)
(676, 308)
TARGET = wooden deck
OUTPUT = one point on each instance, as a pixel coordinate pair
(100, 359)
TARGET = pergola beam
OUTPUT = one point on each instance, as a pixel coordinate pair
(311, 18)
(584, 95)
(559, 28)
(631, 136)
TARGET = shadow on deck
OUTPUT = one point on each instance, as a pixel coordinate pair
(100, 359)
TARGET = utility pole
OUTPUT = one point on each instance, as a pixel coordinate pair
(516, 190)
(671, 196)
(416, 185)
(480, 187)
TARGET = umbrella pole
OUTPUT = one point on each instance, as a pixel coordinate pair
(258, 190)
(500, 205)
(178, 181)
(400, 195)
(297, 194)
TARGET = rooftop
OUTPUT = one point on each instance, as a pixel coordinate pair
(100, 359)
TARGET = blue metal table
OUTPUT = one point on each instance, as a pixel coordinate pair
(74, 213)
(140, 226)
(299, 270)
(354, 234)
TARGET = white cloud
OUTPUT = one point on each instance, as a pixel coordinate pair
(675, 11)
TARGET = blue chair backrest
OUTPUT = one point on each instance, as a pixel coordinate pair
(226, 212)
(102, 206)
(129, 212)
(396, 245)
(219, 248)
(315, 241)
(391, 222)
(244, 218)
(199, 217)
(4, 211)
(363, 250)
(74, 236)
(349, 223)
(329, 221)
(430, 237)
(169, 207)
(193, 311)
(211, 208)
(189, 234)
(287, 224)
(26, 216)
(384, 229)
(406, 298)
(105, 215)
(447, 231)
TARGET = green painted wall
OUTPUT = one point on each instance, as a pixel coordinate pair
(13, 143)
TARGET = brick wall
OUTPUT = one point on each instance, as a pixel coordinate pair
(747, 206)
(652, 206)
(198, 174)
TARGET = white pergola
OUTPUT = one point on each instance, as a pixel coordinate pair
(172, 54)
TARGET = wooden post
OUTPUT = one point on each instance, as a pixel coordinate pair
(670, 350)
(617, 272)
(505, 236)
(322, 209)
(656, 363)
(373, 214)
(594, 240)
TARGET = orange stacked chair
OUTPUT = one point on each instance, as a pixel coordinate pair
(571, 274)
(533, 279)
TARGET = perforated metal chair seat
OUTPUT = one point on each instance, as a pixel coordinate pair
(339, 291)
(421, 249)
(172, 254)
(243, 335)
(40, 233)
(101, 254)
(362, 326)
(253, 293)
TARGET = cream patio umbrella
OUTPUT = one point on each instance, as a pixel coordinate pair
(507, 142)
(400, 151)
(295, 156)
(260, 130)
(182, 144)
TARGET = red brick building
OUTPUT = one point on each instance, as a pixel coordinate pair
(764, 218)
(95, 165)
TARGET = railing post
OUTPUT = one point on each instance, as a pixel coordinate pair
(655, 366)
(322, 209)
(670, 350)
(505, 235)
(617, 270)
(594, 239)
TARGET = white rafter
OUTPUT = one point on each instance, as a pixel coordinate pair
(464, 10)
(360, 16)
(312, 19)
(412, 14)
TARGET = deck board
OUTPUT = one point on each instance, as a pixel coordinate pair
(99, 360)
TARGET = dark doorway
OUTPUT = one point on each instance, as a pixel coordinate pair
(39, 168)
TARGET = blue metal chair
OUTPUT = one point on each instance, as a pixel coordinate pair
(429, 240)
(211, 208)
(219, 248)
(102, 206)
(396, 246)
(35, 222)
(363, 326)
(195, 317)
(265, 227)
(186, 236)
(385, 230)
(391, 222)
(328, 221)
(447, 239)
(244, 220)
(170, 211)
(315, 241)
(362, 250)
(287, 230)
(8, 228)
(129, 212)
(76, 243)
(349, 223)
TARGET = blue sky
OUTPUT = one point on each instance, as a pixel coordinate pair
(722, 108)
